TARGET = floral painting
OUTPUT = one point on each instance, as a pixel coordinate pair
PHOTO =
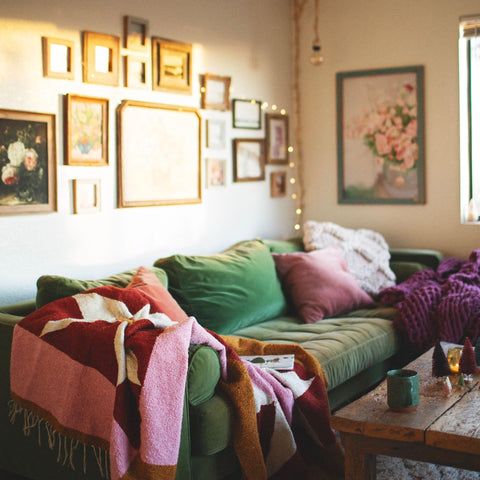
(26, 162)
(87, 142)
(380, 136)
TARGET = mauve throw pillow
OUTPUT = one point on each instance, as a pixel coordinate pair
(319, 284)
(145, 281)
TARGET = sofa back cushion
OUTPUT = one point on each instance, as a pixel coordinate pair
(229, 290)
(319, 283)
(53, 287)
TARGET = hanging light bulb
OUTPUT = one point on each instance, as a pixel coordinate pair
(316, 57)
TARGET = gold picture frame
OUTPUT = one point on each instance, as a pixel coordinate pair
(173, 134)
(172, 66)
(86, 130)
(101, 58)
(58, 56)
(215, 92)
(28, 177)
(86, 195)
(137, 71)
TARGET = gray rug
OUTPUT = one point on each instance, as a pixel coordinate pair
(391, 468)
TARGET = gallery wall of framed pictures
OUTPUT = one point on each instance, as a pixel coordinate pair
(239, 138)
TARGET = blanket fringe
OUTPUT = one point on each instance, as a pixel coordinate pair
(65, 446)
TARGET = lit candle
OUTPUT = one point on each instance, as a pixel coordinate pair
(453, 358)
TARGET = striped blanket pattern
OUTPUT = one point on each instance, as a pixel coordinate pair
(108, 368)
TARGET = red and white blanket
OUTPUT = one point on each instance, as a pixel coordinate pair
(108, 368)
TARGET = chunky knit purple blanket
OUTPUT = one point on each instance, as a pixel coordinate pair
(438, 305)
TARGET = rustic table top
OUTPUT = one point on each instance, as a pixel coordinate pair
(447, 422)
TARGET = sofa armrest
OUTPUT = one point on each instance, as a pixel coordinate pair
(429, 258)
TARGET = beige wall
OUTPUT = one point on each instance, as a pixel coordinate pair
(367, 34)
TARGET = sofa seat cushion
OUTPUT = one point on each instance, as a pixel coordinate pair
(344, 346)
(229, 290)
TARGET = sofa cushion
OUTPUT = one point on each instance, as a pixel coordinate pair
(319, 283)
(228, 290)
(343, 346)
(53, 287)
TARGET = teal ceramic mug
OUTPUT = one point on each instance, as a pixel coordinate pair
(402, 389)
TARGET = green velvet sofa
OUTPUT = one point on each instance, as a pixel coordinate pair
(355, 349)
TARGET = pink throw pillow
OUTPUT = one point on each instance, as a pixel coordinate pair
(145, 281)
(319, 283)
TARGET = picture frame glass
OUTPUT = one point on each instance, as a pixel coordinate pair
(103, 59)
(216, 134)
(249, 163)
(216, 172)
(278, 184)
(59, 58)
(247, 114)
(380, 136)
(86, 195)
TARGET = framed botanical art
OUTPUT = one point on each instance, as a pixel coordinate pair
(159, 148)
(248, 160)
(101, 58)
(27, 163)
(86, 130)
(58, 59)
(137, 70)
(216, 172)
(278, 184)
(135, 32)
(276, 135)
(215, 134)
(215, 92)
(172, 66)
(380, 135)
(247, 114)
(86, 196)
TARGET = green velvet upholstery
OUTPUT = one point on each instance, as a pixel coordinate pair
(229, 290)
(53, 287)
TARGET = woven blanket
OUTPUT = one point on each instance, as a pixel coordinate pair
(438, 305)
(365, 251)
(108, 368)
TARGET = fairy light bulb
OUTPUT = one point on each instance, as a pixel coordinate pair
(290, 149)
(274, 107)
(283, 111)
(292, 180)
(294, 196)
(297, 226)
(298, 211)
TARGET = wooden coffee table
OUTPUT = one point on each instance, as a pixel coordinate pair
(441, 430)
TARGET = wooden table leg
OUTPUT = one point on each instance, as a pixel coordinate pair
(359, 465)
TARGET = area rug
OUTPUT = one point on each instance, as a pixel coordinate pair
(391, 468)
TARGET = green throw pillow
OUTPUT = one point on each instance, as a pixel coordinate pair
(229, 290)
(53, 287)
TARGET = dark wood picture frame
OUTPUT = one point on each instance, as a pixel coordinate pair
(278, 184)
(276, 139)
(248, 159)
(246, 114)
(58, 64)
(85, 130)
(135, 33)
(28, 166)
(172, 66)
(373, 167)
(215, 91)
(97, 67)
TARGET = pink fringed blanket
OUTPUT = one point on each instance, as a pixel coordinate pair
(108, 368)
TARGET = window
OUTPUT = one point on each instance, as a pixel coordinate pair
(469, 69)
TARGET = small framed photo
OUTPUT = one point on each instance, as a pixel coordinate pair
(276, 134)
(215, 92)
(248, 159)
(172, 66)
(58, 58)
(86, 196)
(216, 172)
(135, 31)
(278, 184)
(86, 130)
(216, 134)
(136, 71)
(100, 58)
(28, 176)
(247, 114)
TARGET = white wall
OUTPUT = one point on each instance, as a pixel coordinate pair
(368, 34)
(248, 40)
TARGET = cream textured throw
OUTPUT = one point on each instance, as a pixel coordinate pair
(365, 251)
